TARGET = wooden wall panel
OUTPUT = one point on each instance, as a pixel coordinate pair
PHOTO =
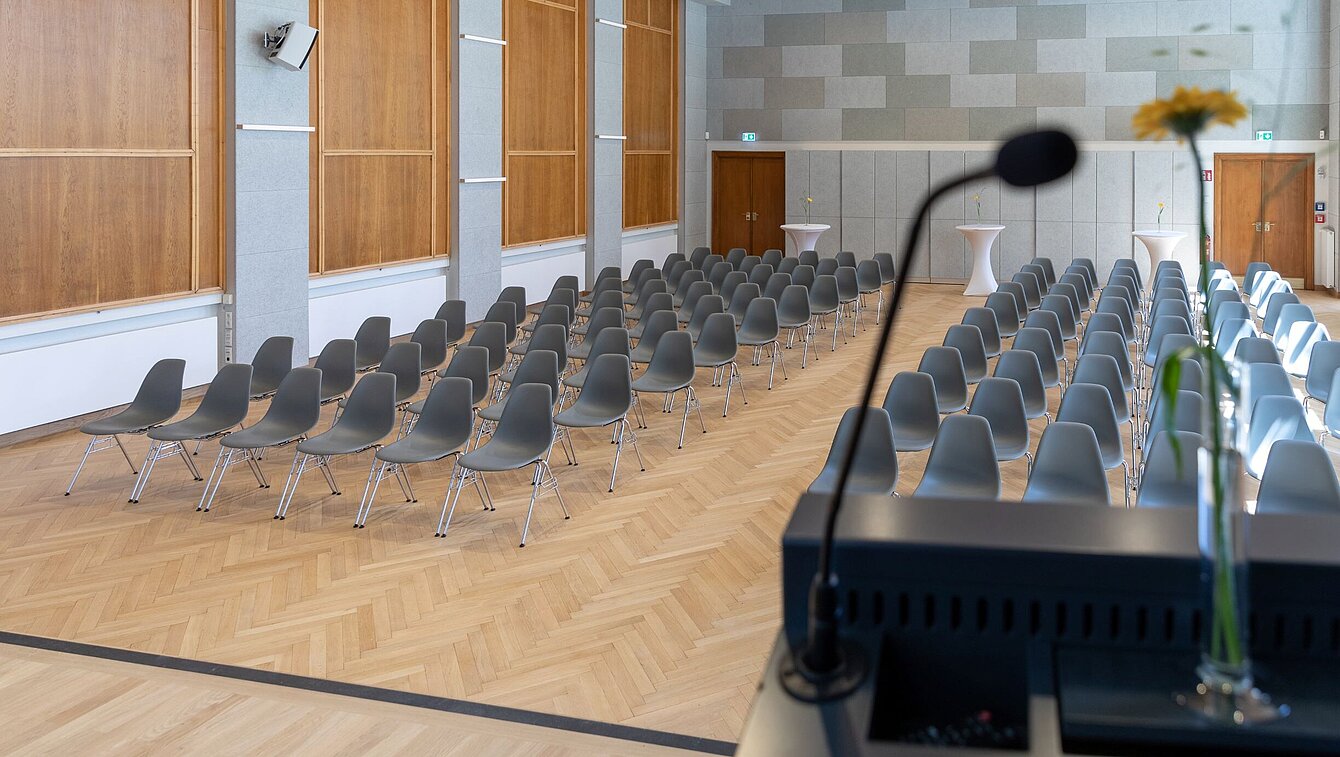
(381, 106)
(66, 218)
(110, 152)
(544, 121)
(651, 113)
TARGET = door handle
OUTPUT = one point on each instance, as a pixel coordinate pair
(746, 216)
(1257, 225)
(1268, 225)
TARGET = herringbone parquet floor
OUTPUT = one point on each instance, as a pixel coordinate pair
(654, 606)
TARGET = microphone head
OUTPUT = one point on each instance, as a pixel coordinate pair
(1036, 158)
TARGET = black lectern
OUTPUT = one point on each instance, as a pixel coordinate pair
(1048, 629)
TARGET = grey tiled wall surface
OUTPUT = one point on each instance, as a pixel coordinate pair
(944, 70)
(693, 198)
(869, 198)
(476, 269)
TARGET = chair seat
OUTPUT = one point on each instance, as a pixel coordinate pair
(577, 380)
(654, 384)
(128, 421)
(859, 482)
(520, 347)
(1066, 489)
(494, 411)
(956, 488)
(641, 353)
(336, 441)
(190, 428)
(580, 417)
(707, 360)
(498, 455)
(909, 437)
(751, 338)
(262, 434)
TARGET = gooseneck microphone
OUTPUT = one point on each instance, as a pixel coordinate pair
(827, 667)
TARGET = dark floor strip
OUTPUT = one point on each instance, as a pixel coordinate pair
(425, 701)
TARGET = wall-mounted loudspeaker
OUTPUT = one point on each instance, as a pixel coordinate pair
(291, 44)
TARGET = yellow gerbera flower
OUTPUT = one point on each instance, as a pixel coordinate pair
(1187, 113)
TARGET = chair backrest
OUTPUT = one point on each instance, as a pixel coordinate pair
(686, 281)
(739, 302)
(1219, 298)
(447, 417)
(1007, 314)
(1130, 268)
(788, 265)
(1298, 345)
(697, 290)
(803, 275)
(1080, 282)
(1249, 275)
(945, 365)
(887, 270)
(675, 273)
(1067, 316)
(776, 284)
(1068, 468)
(1162, 327)
(736, 256)
(566, 281)
(159, 395)
(1228, 311)
(962, 461)
(1171, 345)
(707, 307)
(526, 427)
(1048, 269)
(336, 363)
(772, 257)
(1175, 308)
(1277, 303)
(640, 266)
(809, 258)
(648, 288)
(1291, 313)
(824, 296)
(1001, 402)
(453, 312)
(760, 274)
(1110, 344)
(656, 324)
(1020, 298)
(1170, 474)
(538, 367)
(610, 298)
(1049, 322)
(717, 341)
(605, 274)
(1231, 333)
(228, 396)
(554, 337)
(1324, 361)
(374, 339)
(492, 336)
(369, 414)
(1104, 371)
(471, 362)
(1331, 415)
(1264, 380)
(1256, 349)
(718, 273)
(1265, 281)
(749, 263)
(1116, 304)
(1039, 342)
(604, 318)
(826, 267)
(1032, 289)
(556, 315)
(503, 312)
(968, 341)
(273, 361)
(672, 360)
(846, 259)
(610, 341)
(656, 301)
(712, 260)
(985, 321)
(848, 289)
(403, 362)
(608, 389)
(874, 468)
(912, 407)
(517, 296)
(431, 336)
(296, 406)
(1298, 478)
(1068, 290)
(1090, 270)
(760, 323)
(1091, 405)
(868, 277)
(698, 255)
(1024, 368)
(1274, 418)
(793, 308)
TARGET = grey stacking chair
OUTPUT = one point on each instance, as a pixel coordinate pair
(985, 321)
(1130, 289)
(1298, 478)
(698, 255)
(1330, 417)
(562, 301)
(540, 368)
(671, 259)
(849, 295)
(715, 348)
(1172, 345)
(469, 363)
(1017, 292)
(1001, 402)
(740, 299)
(611, 341)
(273, 361)
(761, 329)
(968, 341)
(453, 312)
(605, 401)
(697, 291)
(874, 469)
(1066, 312)
(653, 328)
(1325, 361)
(706, 307)
(1171, 290)
(1023, 367)
(650, 284)
(635, 275)
(1161, 328)
(1265, 283)
(1118, 300)
(888, 272)
(1069, 467)
(223, 408)
(803, 275)
(760, 274)
(523, 438)
(1050, 322)
(603, 287)
(674, 273)
(156, 401)
(1048, 269)
(962, 463)
(809, 258)
(1275, 287)
(717, 276)
(1091, 405)
(945, 366)
(1007, 315)
(825, 300)
(293, 412)
(550, 336)
(1289, 314)
(1068, 290)
(712, 260)
(1111, 344)
(733, 281)
(1229, 311)
(492, 336)
(1099, 322)
(793, 314)
(1038, 273)
(1183, 415)
(605, 318)
(1304, 337)
(1169, 480)
(1274, 418)
(656, 303)
(1264, 380)
(336, 363)
(1039, 342)
(401, 361)
(870, 282)
(772, 257)
(912, 408)
(671, 371)
(686, 283)
(788, 265)
(1083, 295)
(846, 259)
(552, 315)
(568, 282)
(649, 290)
(1231, 333)
(1090, 271)
(1032, 289)
(1249, 275)
(735, 256)
(374, 339)
(1277, 303)
(1256, 349)
(431, 336)
(1172, 307)
(1130, 268)
(1105, 371)
(517, 296)
(749, 263)
(826, 267)
(502, 312)
(776, 284)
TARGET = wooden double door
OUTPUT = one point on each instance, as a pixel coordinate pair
(1263, 205)
(748, 201)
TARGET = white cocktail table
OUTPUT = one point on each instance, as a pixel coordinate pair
(1160, 245)
(980, 237)
(805, 235)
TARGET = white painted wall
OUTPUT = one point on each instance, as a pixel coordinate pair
(408, 294)
(652, 243)
(535, 268)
